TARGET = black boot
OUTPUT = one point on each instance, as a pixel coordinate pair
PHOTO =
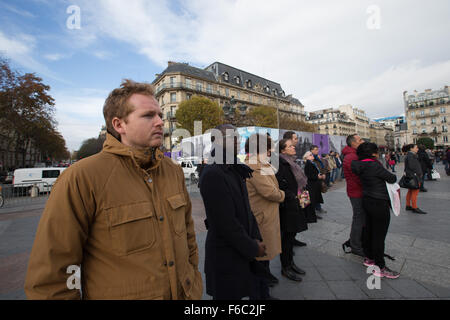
(297, 269)
(299, 243)
(417, 210)
(290, 274)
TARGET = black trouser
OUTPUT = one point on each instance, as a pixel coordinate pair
(377, 220)
(287, 247)
(260, 289)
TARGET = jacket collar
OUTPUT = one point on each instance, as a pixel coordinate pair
(145, 158)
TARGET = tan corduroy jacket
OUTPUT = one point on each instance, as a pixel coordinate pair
(129, 229)
(265, 198)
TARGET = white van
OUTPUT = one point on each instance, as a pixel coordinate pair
(42, 178)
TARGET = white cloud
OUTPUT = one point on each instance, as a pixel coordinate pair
(80, 115)
(21, 12)
(54, 56)
(323, 52)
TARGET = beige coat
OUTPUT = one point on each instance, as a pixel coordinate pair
(331, 163)
(130, 229)
(265, 198)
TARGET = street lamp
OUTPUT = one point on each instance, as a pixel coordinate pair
(229, 109)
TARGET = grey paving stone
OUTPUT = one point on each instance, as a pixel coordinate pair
(427, 273)
(347, 290)
(311, 274)
(385, 291)
(438, 291)
(410, 288)
(333, 273)
(316, 290)
(355, 271)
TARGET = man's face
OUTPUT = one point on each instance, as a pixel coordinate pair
(315, 151)
(294, 139)
(357, 142)
(143, 127)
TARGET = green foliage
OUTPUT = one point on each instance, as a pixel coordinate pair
(427, 142)
(90, 147)
(297, 125)
(198, 109)
(263, 116)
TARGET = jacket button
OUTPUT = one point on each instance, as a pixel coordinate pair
(150, 180)
(171, 263)
(161, 218)
(188, 282)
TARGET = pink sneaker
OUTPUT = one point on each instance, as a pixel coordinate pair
(387, 273)
(368, 262)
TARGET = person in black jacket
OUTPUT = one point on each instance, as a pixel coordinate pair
(315, 178)
(376, 204)
(426, 164)
(233, 239)
(413, 167)
(292, 216)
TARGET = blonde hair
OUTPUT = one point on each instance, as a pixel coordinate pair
(117, 104)
(306, 155)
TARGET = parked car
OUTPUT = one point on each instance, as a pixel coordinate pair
(189, 166)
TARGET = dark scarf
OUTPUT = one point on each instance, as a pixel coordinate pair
(296, 170)
(316, 157)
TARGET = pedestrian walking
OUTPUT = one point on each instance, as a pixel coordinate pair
(333, 167)
(354, 193)
(425, 164)
(413, 167)
(265, 197)
(233, 240)
(292, 216)
(339, 164)
(376, 204)
(123, 214)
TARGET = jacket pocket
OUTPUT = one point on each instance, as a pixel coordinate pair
(192, 284)
(131, 227)
(177, 213)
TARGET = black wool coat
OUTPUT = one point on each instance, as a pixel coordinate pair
(231, 245)
(314, 185)
(292, 216)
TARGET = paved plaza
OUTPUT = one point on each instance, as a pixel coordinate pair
(420, 244)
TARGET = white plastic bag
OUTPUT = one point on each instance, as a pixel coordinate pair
(435, 174)
(394, 195)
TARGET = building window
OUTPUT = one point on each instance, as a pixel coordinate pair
(422, 113)
(188, 96)
(199, 86)
(250, 97)
(237, 79)
(188, 83)
(172, 82)
(444, 129)
(423, 122)
(209, 88)
(249, 83)
(445, 138)
(225, 76)
(443, 110)
(413, 123)
(433, 120)
(432, 112)
(415, 131)
(443, 119)
(227, 92)
(173, 97)
(413, 114)
(267, 89)
(424, 130)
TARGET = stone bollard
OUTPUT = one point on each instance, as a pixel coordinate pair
(34, 191)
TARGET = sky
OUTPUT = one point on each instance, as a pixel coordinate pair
(324, 53)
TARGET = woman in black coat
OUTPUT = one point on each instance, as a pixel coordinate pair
(292, 216)
(413, 167)
(315, 178)
(376, 204)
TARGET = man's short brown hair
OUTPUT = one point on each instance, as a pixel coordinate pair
(117, 104)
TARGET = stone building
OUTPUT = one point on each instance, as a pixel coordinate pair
(427, 114)
(218, 82)
(331, 121)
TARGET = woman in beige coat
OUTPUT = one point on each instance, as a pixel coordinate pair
(265, 198)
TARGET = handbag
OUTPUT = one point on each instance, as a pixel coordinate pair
(409, 182)
(304, 198)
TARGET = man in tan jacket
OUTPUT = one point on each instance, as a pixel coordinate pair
(123, 216)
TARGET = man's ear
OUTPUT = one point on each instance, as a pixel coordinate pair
(118, 125)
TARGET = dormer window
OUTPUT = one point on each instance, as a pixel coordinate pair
(267, 89)
(249, 83)
(275, 92)
(238, 80)
(282, 93)
(225, 76)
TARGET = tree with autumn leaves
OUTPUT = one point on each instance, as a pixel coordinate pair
(27, 118)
